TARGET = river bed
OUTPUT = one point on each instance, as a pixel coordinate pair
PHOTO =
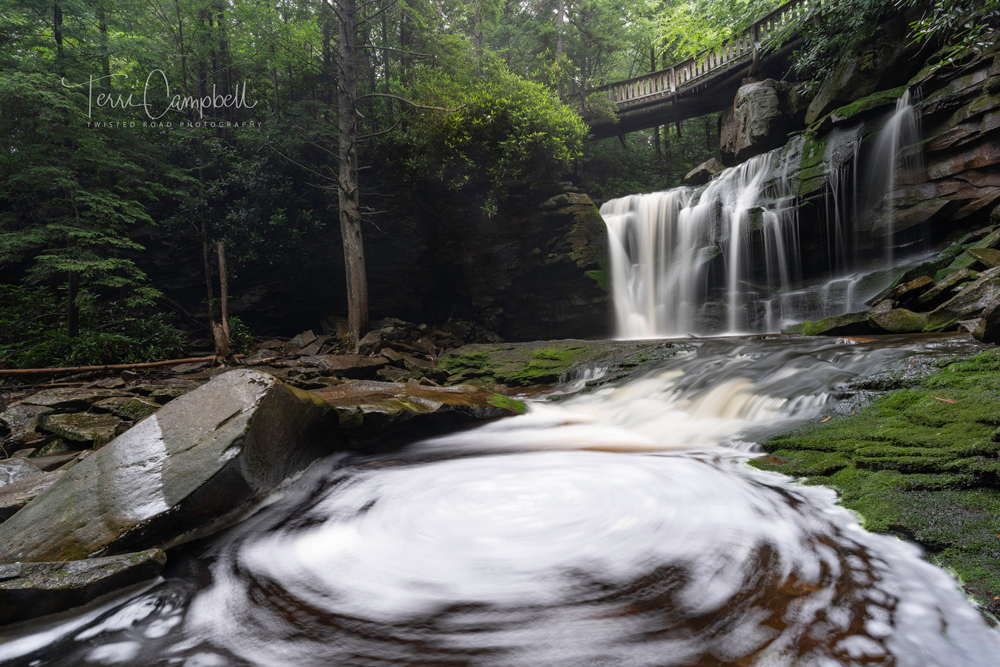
(615, 525)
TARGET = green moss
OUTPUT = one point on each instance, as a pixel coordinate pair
(812, 168)
(873, 101)
(918, 466)
(507, 403)
(515, 365)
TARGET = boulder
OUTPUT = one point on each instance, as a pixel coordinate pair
(967, 303)
(988, 329)
(16, 469)
(376, 339)
(759, 121)
(70, 399)
(351, 366)
(132, 408)
(17, 494)
(90, 430)
(988, 257)
(201, 457)
(21, 419)
(370, 409)
(848, 324)
(908, 291)
(30, 590)
(943, 289)
(898, 321)
(704, 172)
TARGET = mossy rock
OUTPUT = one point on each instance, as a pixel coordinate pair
(848, 324)
(921, 462)
(545, 362)
(93, 430)
(874, 101)
(899, 321)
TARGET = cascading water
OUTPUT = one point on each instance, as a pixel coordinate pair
(889, 159)
(662, 246)
(509, 545)
(728, 258)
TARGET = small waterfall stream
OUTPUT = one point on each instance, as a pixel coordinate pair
(614, 527)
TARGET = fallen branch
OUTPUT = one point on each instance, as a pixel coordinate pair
(943, 400)
(110, 367)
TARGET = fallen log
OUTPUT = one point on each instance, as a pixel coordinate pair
(109, 367)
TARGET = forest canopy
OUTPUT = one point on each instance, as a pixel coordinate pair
(247, 149)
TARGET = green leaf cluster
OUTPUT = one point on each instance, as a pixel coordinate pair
(32, 334)
(504, 129)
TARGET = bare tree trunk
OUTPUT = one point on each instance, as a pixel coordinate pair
(102, 26)
(205, 248)
(560, 18)
(57, 24)
(223, 345)
(560, 15)
(477, 31)
(328, 78)
(350, 213)
(180, 38)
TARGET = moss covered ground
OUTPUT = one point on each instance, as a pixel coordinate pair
(920, 462)
(542, 362)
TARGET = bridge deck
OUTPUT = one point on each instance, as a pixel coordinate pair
(670, 94)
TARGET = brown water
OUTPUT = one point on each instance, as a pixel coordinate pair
(620, 526)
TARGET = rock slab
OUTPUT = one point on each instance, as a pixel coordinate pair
(201, 457)
(30, 590)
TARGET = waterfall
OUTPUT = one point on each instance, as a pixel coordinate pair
(888, 159)
(666, 246)
(727, 258)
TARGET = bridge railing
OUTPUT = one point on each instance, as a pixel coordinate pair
(692, 70)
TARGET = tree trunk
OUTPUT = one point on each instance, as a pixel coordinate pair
(350, 213)
(205, 248)
(560, 18)
(102, 26)
(224, 289)
(57, 24)
(180, 44)
(560, 15)
(222, 332)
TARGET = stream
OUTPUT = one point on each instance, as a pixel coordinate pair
(617, 524)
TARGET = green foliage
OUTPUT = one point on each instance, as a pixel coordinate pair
(690, 26)
(964, 24)
(68, 194)
(240, 339)
(32, 333)
(609, 170)
(505, 128)
(857, 28)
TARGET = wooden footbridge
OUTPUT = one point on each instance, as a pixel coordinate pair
(707, 82)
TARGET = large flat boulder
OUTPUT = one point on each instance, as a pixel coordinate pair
(30, 590)
(201, 457)
(369, 409)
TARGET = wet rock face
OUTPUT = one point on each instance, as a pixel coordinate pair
(526, 273)
(759, 121)
(200, 457)
(30, 590)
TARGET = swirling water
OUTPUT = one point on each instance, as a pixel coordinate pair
(619, 526)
